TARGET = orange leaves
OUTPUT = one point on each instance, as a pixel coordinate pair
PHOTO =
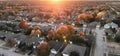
(65, 30)
(23, 24)
(36, 31)
(85, 16)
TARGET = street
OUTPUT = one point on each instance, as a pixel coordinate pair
(100, 44)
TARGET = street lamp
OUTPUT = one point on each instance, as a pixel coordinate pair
(64, 38)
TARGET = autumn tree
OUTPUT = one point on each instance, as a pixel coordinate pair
(85, 17)
(23, 24)
(65, 30)
(51, 34)
(36, 31)
(43, 49)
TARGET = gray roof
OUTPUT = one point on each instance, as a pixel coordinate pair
(20, 37)
(57, 45)
(71, 47)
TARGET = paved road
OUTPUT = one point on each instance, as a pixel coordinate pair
(100, 44)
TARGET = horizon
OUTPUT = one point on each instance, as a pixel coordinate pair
(60, 0)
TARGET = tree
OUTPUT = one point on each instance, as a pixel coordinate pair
(29, 30)
(65, 30)
(81, 33)
(43, 49)
(113, 12)
(100, 14)
(76, 39)
(0, 14)
(117, 37)
(116, 21)
(11, 42)
(35, 19)
(12, 12)
(36, 31)
(51, 34)
(85, 17)
(23, 24)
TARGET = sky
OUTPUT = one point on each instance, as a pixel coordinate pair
(90, 0)
(67, 0)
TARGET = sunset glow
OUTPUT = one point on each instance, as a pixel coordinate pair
(55, 0)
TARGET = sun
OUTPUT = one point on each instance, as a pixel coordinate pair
(55, 0)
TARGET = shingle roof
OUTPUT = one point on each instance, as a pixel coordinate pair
(71, 47)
